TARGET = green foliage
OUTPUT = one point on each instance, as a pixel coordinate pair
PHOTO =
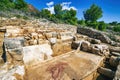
(92, 24)
(102, 26)
(25, 17)
(58, 11)
(18, 16)
(13, 4)
(93, 13)
(114, 23)
(81, 22)
(6, 4)
(69, 16)
(117, 28)
(45, 13)
(20, 4)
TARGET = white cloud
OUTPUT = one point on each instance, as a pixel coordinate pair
(65, 6)
(66, 3)
(50, 3)
(51, 9)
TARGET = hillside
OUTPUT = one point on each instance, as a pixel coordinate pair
(31, 8)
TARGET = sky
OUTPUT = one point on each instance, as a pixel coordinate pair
(110, 8)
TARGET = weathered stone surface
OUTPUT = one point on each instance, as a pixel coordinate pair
(95, 41)
(75, 44)
(100, 49)
(48, 35)
(12, 43)
(14, 32)
(33, 42)
(34, 35)
(94, 34)
(107, 72)
(53, 40)
(41, 41)
(61, 48)
(114, 61)
(78, 66)
(1, 43)
(117, 74)
(114, 49)
(115, 54)
(86, 46)
(1, 46)
(1, 61)
(66, 36)
(11, 74)
(33, 54)
(14, 56)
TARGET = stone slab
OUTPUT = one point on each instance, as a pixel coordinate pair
(12, 43)
(117, 74)
(36, 53)
(69, 66)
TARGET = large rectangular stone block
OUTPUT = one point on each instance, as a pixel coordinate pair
(12, 43)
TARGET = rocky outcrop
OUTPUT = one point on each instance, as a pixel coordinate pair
(94, 34)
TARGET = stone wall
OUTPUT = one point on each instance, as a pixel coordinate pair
(2, 31)
(94, 34)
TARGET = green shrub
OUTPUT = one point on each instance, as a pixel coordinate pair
(116, 28)
(102, 26)
(92, 24)
(25, 17)
(81, 22)
(18, 16)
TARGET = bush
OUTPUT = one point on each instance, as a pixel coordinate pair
(81, 22)
(18, 16)
(25, 17)
(92, 24)
(102, 26)
(116, 28)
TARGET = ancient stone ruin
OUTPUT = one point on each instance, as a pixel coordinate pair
(39, 50)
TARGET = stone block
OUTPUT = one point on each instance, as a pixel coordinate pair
(12, 43)
(33, 54)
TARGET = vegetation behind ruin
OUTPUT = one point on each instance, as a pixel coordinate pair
(21, 9)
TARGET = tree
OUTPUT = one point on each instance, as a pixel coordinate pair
(114, 23)
(20, 4)
(81, 22)
(102, 26)
(69, 16)
(58, 11)
(45, 13)
(116, 28)
(93, 13)
(57, 8)
(6, 4)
